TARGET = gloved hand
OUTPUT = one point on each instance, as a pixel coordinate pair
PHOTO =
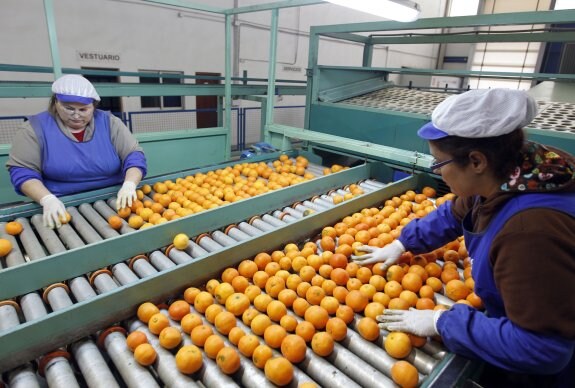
(126, 195)
(419, 322)
(389, 254)
(53, 210)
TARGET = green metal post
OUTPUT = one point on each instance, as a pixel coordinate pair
(228, 87)
(367, 54)
(272, 67)
(51, 22)
(311, 72)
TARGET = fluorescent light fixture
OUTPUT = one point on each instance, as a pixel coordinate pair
(399, 10)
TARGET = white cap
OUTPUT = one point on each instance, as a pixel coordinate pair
(480, 113)
(74, 88)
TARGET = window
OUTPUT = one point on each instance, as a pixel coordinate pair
(162, 102)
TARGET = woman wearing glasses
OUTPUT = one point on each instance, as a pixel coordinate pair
(515, 206)
(74, 147)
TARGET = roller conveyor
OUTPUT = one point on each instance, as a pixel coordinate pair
(166, 260)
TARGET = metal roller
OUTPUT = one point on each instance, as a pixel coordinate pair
(93, 366)
(165, 364)
(9, 314)
(177, 256)
(434, 349)
(317, 206)
(223, 239)
(81, 289)
(48, 236)
(70, 237)
(57, 296)
(15, 257)
(97, 221)
(106, 212)
(103, 281)
(141, 266)
(248, 229)
(273, 221)
(379, 185)
(342, 192)
(236, 234)
(195, 250)
(322, 202)
(293, 212)
(305, 210)
(57, 370)
(368, 187)
(442, 299)
(123, 274)
(33, 306)
(88, 233)
(207, 243)
(133, 374)
(261, 224)
(160, 261)
(32, 246)
(23, 377)
(284, 217)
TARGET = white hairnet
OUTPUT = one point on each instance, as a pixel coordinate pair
(74, 88)
(480, 113)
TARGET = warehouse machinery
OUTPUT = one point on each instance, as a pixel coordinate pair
(69, 295)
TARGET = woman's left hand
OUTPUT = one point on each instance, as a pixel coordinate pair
(126, 195)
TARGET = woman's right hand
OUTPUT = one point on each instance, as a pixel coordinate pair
(54, 211)
(389, 254)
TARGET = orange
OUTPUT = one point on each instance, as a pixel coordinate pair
(328, 286)
(345, 313)
(13, 228)
(353, 284)
(222, 291)
(287, 297)
(279, 371)
(211, 285)
(356, 300)
(5, 247)
(157, 323)
(368, 291)
(411, 281)
(228, 360)
(115, 222)
(261, 355)
(189, 321)
(381, 297)
(249, 315)
(240, 283)
(317, 316)
(260, 278)
(378, 282)
(426, 292)
(417, 341)
(368, 328)
(248, 268)
(181, 241)
(397, 345)
(145, 354)
(338, 260)
(327, 243)
(299, 306)
(274, 285)
(325, 270)
(373, 309)
(425, 304)
(404, 374)
(225, 321)
(294, 348)
(235, 335)
(276, 310)
(247, 344)
(395, 272)
(190, 294)
(261, 302)
(251, 291)
(340, 276)
(178, 309)
(135, 338)
(409, 296)
(314, 295)
(340, 293)
(237, 303)
(363, 274)
(200, 334)
(449, 274)
(189, 359)
(213, 345)
(398, 304)
(262, 259)
(289, 323)
(337, 328)
(260, 323)
(274, 335)
(229, 274)
(455, 290)
(170, 337)
(475, 300)
(330, 304)
(202, 301)
(272, 268)
(146, 310)
(302, 289)
(322, 344)
(305, 330)
(393, 288)
(435, 284)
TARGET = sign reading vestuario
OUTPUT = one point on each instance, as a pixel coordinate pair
(96, 56)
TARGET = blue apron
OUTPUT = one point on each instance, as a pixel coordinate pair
(70, 167)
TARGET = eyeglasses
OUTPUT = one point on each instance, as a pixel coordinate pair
(435, 165)
(82, 112)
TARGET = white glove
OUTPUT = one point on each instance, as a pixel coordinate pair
(419, 322)
(126, 195)
(389, 254)
(53, 210)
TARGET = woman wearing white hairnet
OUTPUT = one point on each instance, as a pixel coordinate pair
(74, 147)
(515, 206)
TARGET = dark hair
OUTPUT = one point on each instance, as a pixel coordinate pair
(503, 152)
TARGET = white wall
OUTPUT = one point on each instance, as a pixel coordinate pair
(149, 36)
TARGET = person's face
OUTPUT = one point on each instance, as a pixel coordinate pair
(75, 115)
(461, 182)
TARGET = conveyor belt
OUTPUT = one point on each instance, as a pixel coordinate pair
(553, 116)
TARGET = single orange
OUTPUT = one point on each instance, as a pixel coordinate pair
(146, 310)
(261, 355)
(228, 360)
(189, 321)
(279, 370)
(337, 328)
(322, 344)
(145, 354)
(115, 222)
(170, 337)
(213, 345)
(189, 359)
(200, 334)
(368, 328)
(178, 309)
(397, 344)
(225, 321)
(136, 338)
(404, 374)
(260, 323)
(13, 228)
(157, 323)
(235, 335)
